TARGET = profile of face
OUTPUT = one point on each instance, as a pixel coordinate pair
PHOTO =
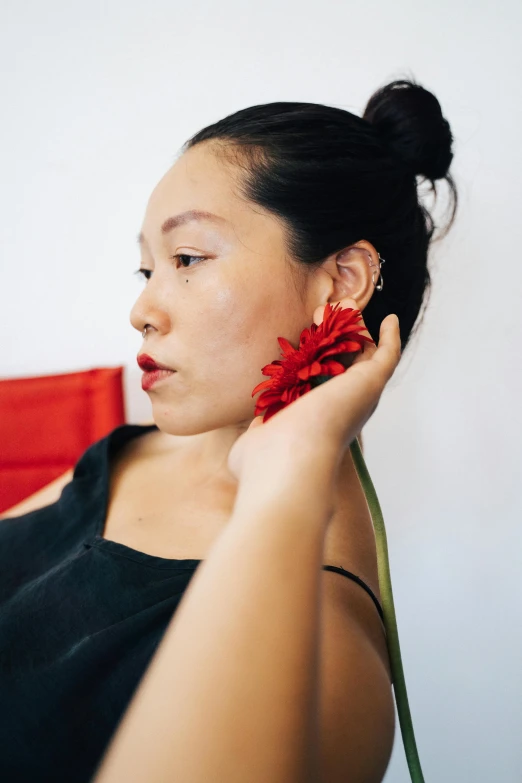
(220, 291)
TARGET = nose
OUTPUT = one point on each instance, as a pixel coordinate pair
(137, 315)
(144, 313)
(150, 309)
(153, 305)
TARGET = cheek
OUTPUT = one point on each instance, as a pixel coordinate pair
(241, 331)
(232, 334)
(238, 317)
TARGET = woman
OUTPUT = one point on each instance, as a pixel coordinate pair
(206, 537)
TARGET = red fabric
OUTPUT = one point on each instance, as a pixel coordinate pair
(47, 422)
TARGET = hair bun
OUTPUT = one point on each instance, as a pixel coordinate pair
(410, 122)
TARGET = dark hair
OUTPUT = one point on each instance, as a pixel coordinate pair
(336, 178)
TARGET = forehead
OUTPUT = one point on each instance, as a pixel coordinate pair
(197, 180)
(204, 181)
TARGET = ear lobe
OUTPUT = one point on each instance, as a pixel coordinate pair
(319, 315)
(349, 301)
(346, 302)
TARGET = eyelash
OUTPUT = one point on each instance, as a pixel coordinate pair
(145, 272)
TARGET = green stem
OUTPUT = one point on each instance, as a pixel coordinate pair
(390, 622)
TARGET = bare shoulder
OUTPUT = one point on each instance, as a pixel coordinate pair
(350, 543)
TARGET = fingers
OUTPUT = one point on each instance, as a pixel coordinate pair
(378, 363)
(388, 352)
(389, 343)
(352, 397)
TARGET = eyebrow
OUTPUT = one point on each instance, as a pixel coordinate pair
(185, 217)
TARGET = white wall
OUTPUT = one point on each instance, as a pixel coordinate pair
(98, 97)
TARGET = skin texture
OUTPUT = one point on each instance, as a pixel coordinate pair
(217, 321)
(267, 670)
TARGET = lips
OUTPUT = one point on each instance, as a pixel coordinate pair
(148, 364)
(152, 377)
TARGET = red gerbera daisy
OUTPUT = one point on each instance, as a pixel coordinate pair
(311, 363)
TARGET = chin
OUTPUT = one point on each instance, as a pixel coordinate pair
(173, 420)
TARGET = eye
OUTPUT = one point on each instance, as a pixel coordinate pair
(143, 272)
(184, 255)
(146, 273)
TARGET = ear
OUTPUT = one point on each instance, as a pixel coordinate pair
(348, 278)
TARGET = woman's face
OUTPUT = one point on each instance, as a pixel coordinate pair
(215, 321)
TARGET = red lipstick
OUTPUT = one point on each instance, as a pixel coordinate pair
(146, 362)
(154, 371)
(154, 376)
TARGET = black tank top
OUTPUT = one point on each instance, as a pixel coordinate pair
(80, 619)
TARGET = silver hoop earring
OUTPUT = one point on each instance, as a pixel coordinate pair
(381, 262)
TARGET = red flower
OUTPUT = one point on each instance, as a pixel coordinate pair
(310, 365)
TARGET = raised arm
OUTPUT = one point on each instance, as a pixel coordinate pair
(253, 680)
(232, 692)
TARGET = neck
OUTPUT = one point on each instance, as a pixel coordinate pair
(212, 448)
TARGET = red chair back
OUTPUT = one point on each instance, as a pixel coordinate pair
(47, 422)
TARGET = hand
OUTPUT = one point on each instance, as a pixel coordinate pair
(294, 457)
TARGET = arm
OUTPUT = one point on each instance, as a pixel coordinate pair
(237, 689)
(232, 691)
